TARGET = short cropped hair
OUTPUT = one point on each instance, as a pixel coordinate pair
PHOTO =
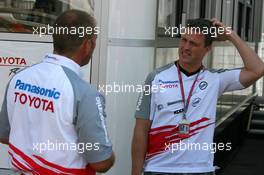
(202, 23)
(70, 42)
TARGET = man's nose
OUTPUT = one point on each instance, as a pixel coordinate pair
(187, 46)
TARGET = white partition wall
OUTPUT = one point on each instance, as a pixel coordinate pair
(126, 66)
(129, 58)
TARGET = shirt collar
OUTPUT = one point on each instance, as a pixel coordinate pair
(63, 61)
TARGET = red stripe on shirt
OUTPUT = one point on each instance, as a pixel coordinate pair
(167, 135)
(58, 170)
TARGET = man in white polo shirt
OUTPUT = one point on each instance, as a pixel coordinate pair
(53, 121)
(169, 122)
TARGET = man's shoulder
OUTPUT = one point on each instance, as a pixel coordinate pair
(27, 69)
(24, 72)
(159, 70)
(79, 85)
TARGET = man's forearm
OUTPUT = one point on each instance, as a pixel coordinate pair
(139, 147)
(251, 60)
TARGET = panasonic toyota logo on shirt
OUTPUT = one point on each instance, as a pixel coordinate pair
(168, 84)
(35, 96)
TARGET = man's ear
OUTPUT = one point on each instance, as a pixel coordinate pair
(86, 46)
(93, 42)
(83, 50)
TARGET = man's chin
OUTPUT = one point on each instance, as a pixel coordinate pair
(186, 60)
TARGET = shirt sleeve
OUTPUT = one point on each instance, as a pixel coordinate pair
(145, 104)
(4, 122)
(91, 128)
(229, 81)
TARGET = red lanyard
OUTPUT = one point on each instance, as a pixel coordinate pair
(182, 91)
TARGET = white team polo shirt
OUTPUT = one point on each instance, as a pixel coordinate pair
(54, 120)
(167, 152)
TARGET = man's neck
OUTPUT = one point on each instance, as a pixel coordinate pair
(189, 69)
(68, 55)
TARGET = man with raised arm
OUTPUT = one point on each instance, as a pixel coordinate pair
(182, 113)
